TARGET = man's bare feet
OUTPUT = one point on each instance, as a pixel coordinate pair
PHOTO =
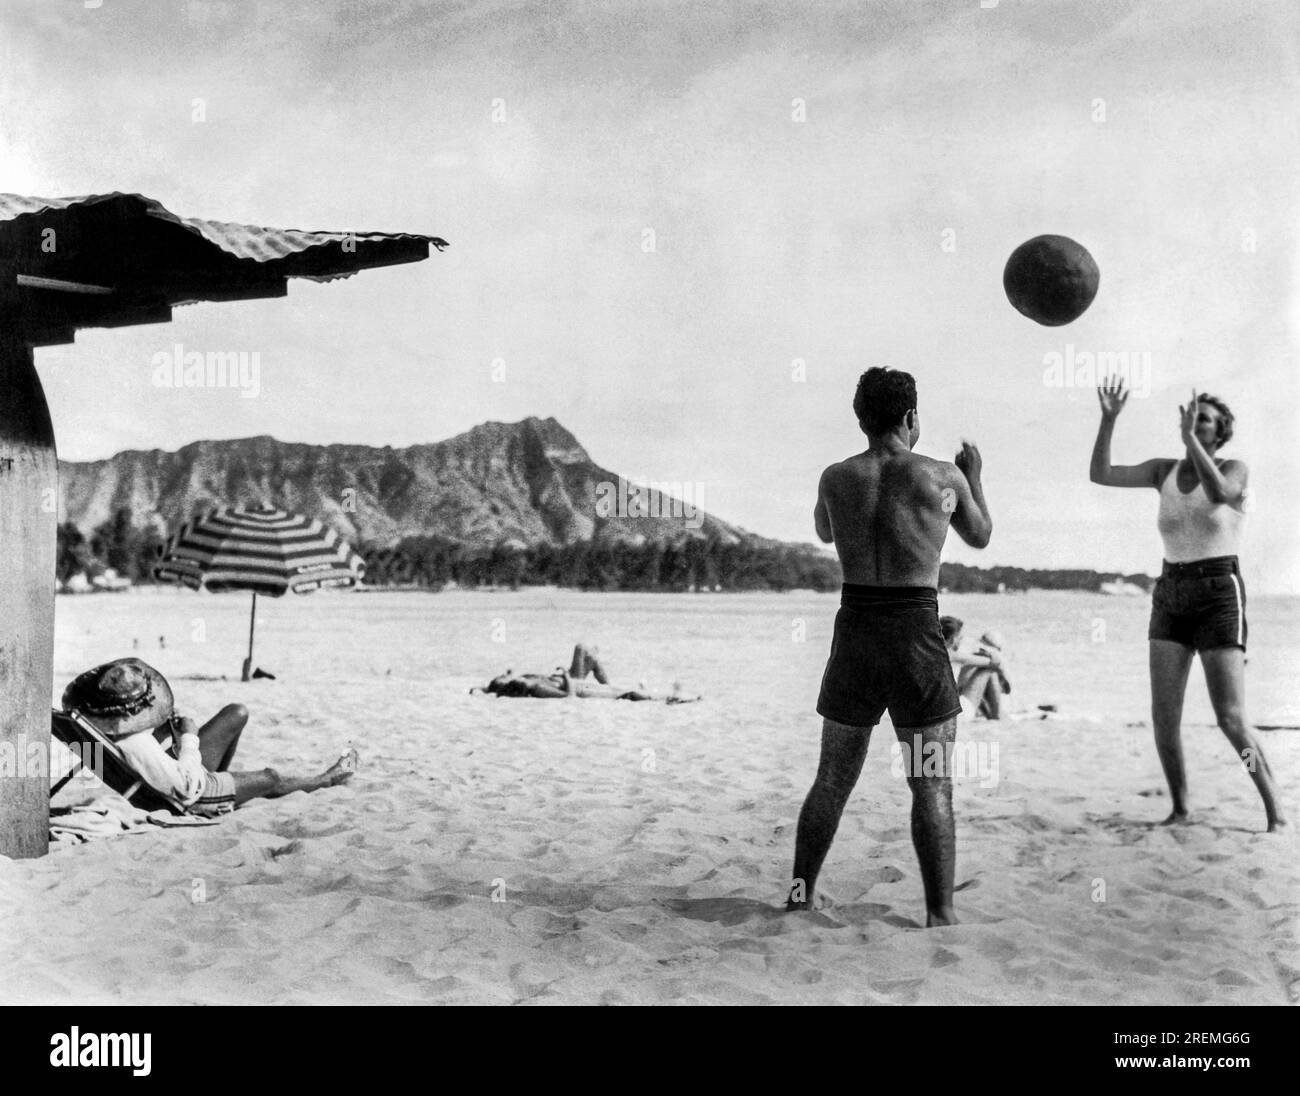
(941, 917)
(1279, 825)
(1178, 818)
(818, 901)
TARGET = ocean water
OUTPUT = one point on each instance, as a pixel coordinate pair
(755, 653)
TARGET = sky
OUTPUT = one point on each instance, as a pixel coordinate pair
(685, 230)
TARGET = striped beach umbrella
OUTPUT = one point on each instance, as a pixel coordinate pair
(262, 549)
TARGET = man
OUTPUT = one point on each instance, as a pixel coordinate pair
(132, 703)
(887, 511)
(1199, 603)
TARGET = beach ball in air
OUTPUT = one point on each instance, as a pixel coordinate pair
(1051, 279)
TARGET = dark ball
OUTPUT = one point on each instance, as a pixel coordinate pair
(1051, 279)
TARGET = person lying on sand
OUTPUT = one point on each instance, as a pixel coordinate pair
(131, 702)
(981, 674)
(573, 683)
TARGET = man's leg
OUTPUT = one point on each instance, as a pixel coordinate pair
(1170, 663)
(844, 748)
(933, 831)
(1225, 678)
(269, 784)
(219, 737)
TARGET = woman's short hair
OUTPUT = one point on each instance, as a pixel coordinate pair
(1226, 419)
(951, 626)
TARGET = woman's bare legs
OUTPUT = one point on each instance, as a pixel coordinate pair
(1170, 662)
(1225, 678)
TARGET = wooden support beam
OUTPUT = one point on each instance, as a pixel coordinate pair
(28, 513)
(31, 281)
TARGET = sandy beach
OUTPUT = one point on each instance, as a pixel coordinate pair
(496, 851)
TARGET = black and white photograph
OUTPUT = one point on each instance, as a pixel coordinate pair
(865, 429)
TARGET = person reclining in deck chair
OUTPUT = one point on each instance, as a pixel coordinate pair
(573, 682)
(132, 704)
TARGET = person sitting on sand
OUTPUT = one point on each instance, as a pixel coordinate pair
(982, 677)
(131, 702)
(573, 683)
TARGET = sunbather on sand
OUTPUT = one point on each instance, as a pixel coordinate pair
(573, 683)
(132, 704)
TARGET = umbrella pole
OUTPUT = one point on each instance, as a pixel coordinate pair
(29, 480)
(252, 619)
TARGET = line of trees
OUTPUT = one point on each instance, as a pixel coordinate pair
(698, 563)
(117, 543)
(704, 563)
(958, 578)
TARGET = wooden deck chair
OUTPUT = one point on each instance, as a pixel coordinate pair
(89, 744)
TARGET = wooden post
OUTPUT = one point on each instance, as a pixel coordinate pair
(29, 484)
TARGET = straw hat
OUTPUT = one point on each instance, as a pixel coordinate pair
(121, 697)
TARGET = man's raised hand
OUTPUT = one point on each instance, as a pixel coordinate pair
(969, 461)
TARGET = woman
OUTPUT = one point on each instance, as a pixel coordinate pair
(1199, 603)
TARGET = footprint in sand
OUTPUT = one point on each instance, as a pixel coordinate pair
(696, 954)
(865, 913)
(1211, 900)
(778, 835)
(944, 958)
(723, 911)
(442, 901)
(888, 874)
(901, 991)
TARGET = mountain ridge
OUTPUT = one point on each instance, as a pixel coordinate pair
(529, 482)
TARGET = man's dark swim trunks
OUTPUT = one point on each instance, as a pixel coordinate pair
(888, 653)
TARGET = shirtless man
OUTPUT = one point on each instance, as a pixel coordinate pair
(887, 511)
(1199, 603)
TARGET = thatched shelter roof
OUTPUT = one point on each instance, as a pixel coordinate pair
(112, 260)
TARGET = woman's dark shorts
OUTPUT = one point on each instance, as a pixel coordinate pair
(1200, 605)
(888, 653)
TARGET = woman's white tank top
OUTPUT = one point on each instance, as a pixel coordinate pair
(1192, 526)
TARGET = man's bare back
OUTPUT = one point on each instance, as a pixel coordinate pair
(887, 511)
